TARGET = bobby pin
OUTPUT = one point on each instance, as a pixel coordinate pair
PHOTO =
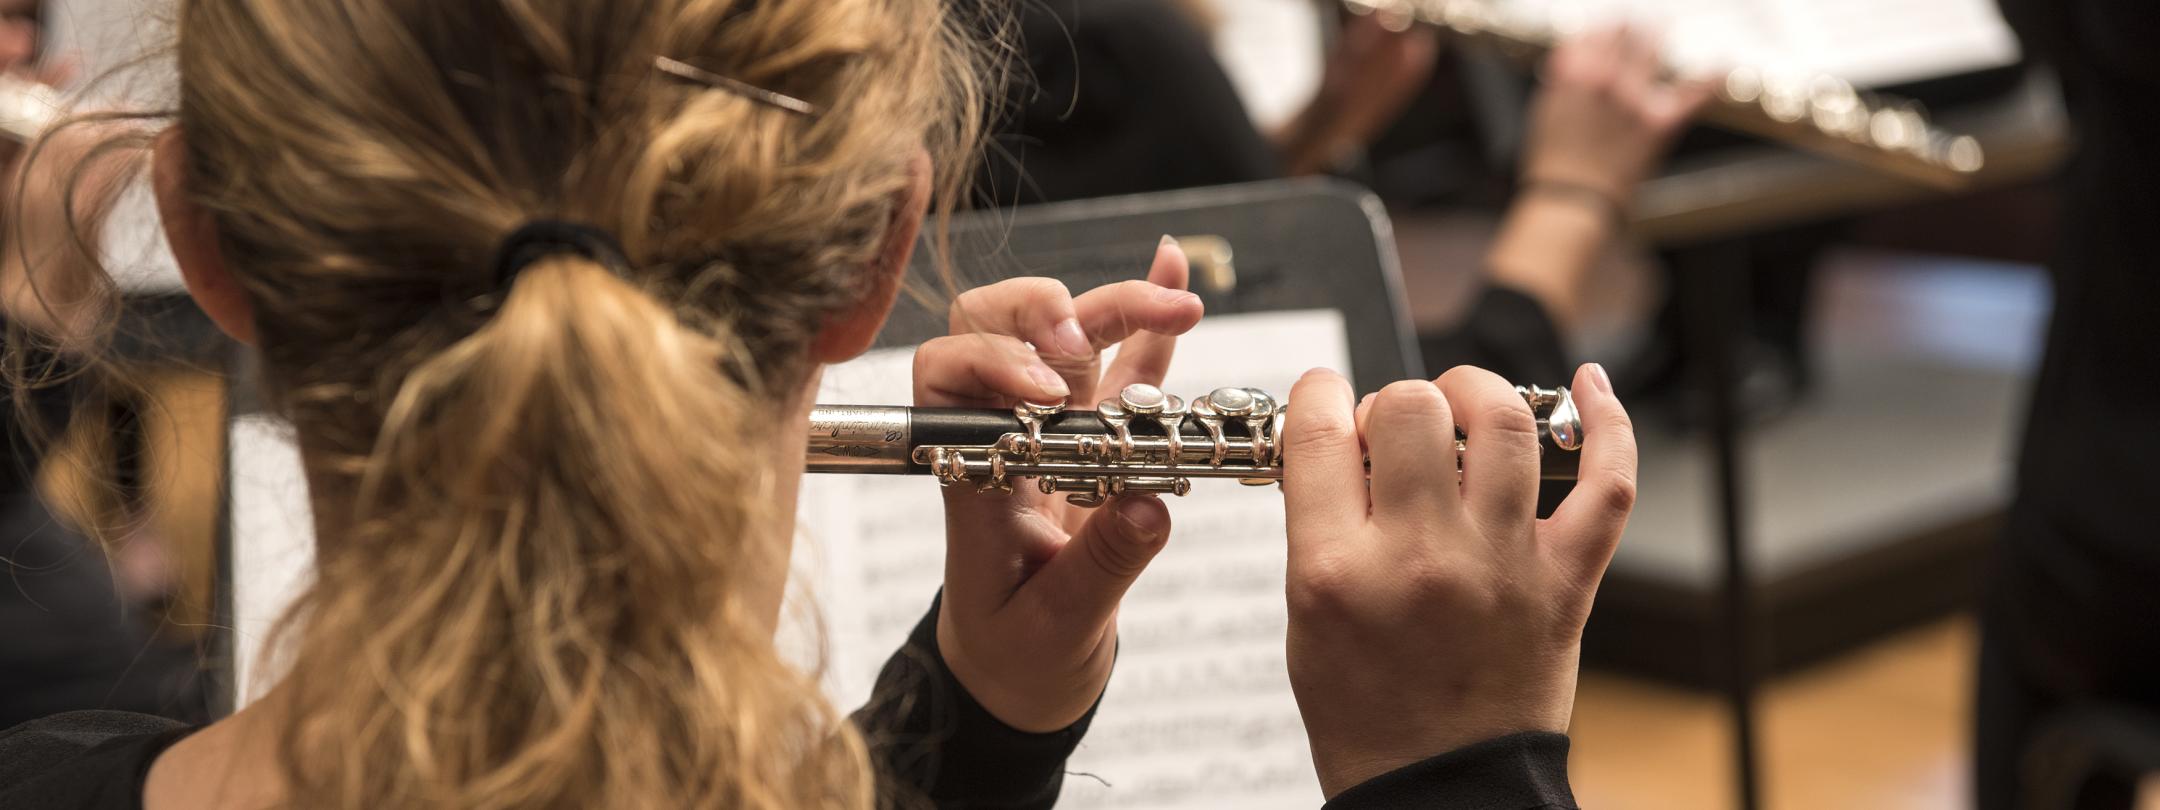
(685, 70)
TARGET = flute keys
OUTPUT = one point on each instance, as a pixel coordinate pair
(1784, 99)
(1151, 484)
(1257, 421)
(1142, 398)
(1564, 424)
(1556, 415)
(1243, 431)
(1119, 421)
(1083, 490)
(1836, 108)
(1276, 427)
(1964, 154)
(1743, 85)
(1895, 128)
(1031, 416)
(1173, 425)
(1027, 408)
(1231, 401)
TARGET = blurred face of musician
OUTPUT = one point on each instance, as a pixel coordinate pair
(18, 33)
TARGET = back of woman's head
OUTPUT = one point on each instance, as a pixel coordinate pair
(539, 499)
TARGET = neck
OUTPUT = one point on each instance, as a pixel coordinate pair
(787, 453)
(229, 764)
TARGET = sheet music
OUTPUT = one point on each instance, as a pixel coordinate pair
(1199, 713)
(273, 542)
(1271, 49)
(1870, 43)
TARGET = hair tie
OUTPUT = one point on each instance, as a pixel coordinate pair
(541, 238)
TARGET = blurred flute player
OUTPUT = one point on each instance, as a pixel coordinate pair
(547, 321)
(75, 632)
(1126, 96)
(2069, 687)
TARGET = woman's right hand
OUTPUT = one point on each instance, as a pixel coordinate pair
(1606, 114)
(1426, 616)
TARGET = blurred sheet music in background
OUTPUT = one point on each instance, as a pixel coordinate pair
(1199, 713)
(1870, 43)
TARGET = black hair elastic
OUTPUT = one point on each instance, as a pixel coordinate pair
(541, 238)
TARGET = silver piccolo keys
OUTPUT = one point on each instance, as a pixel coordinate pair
(1142, 441)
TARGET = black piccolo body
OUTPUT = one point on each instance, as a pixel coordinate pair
(1124, 445)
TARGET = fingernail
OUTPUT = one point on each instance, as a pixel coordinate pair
(1363, 401)
(1599, 380)
(1071, 340)
(1168, 241)
(1142, 523)
(1048, 380)
(1172, 295)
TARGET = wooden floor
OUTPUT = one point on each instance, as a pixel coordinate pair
(1884, 727)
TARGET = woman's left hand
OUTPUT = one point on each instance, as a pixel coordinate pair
(1032, 583)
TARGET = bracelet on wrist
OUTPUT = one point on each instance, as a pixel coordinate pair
(1607, 205)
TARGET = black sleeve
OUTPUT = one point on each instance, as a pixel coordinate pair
(1526, 771)
(1506, 332)
(89, 760)
(933, 744)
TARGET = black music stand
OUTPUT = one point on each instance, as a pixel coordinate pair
(1273, 246)
(1292, 244)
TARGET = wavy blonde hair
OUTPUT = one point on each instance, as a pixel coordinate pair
(540, 511)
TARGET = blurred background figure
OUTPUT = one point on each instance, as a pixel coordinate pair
(19, 27)
(2069, 695)
(1127, 96)
(80, 628)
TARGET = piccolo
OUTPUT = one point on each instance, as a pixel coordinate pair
(1144, 441)
(1812, 111)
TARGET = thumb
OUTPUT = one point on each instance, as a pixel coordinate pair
(1088, 577)
(1588, 523)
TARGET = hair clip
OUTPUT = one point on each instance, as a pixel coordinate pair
(685, 70)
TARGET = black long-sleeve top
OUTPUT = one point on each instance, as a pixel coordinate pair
(2074, 584)
(931, 743)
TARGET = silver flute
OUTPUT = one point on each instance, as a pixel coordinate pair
(1812, 111)
(1144, 441)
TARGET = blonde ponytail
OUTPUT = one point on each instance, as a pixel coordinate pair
(575, 629)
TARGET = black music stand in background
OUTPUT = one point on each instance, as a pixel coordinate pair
(1274, 246)
(1256, 247)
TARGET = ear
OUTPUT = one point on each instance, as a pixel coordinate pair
(192, 234)
(853, 330)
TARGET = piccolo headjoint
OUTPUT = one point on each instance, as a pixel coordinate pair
(1144, 441)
